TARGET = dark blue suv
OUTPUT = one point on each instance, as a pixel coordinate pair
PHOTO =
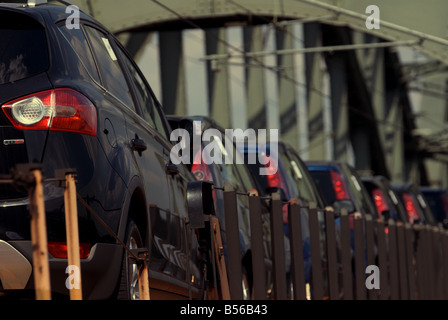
(73, 98)
(291, 178)
(341, 187)
(234, 173)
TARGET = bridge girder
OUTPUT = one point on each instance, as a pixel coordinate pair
(422, 23)
(414, 23)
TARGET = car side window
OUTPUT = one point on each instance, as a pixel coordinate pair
(79, 43)
(299, 179)
(144, 96)
(111, 74)
(241, 168)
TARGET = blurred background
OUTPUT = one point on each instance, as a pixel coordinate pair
(338, 81)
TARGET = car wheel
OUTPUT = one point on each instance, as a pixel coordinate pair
(129, 287)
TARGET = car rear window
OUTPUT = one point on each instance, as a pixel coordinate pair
(324, 184)
(23, 47)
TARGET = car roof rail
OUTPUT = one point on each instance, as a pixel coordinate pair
(66, 2)
(33, 3)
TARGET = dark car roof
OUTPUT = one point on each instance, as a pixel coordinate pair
(57, 8)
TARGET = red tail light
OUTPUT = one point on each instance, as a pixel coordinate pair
(56, 110)
(59, 250)
(380, 202)
(411, 208)
(202, 171)
(275, 180)
(339, 186)
(273, 176)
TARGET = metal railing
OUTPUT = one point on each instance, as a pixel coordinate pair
(29, 177)
(358, 260)
(365, 259)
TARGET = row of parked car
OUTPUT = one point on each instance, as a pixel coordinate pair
(74, 98)
(330, 185)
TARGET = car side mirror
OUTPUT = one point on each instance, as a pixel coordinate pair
(344, 204)
(280, 191)
(200, 202)
(386, 215)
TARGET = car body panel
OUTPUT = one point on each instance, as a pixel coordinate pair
(113, 177)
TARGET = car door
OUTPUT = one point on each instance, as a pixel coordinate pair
(174, 244)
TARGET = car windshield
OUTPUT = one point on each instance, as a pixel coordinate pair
(23, 47)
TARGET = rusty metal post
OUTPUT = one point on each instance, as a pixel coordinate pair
(372, 294)
(219, 257)
(143, 275)
(332, 264)
(71, 226)
(410, 260)
(256, 240)
(233, 243)
(297, 264)
(445, 263)
(393, 260)
(383, 263)
(346, 256)
(427, 263)
(41, 268)
(278, 248)
(420, 259)
(316, 259)
(402, 268)
(360, 259)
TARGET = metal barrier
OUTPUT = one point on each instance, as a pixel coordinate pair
(29, 177)
(411, 260)
(406, 262)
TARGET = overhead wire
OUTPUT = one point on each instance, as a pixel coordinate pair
(278, 71)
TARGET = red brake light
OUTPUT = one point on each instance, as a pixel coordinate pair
(339, 186)
(200, 169)
(411, 209)
(59, 250)
(273, 179)
(56, 110)
(273, 176)
(380, 202)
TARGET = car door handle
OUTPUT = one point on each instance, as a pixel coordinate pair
(138, 145)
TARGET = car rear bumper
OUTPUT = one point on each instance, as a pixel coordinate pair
(99, 272)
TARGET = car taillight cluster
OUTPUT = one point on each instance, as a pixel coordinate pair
(410, 207)
(55, 110)
(380, 201)
(59, 250)
(340, 190)
(202, 171)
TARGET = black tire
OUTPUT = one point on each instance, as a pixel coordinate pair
(128, 288)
